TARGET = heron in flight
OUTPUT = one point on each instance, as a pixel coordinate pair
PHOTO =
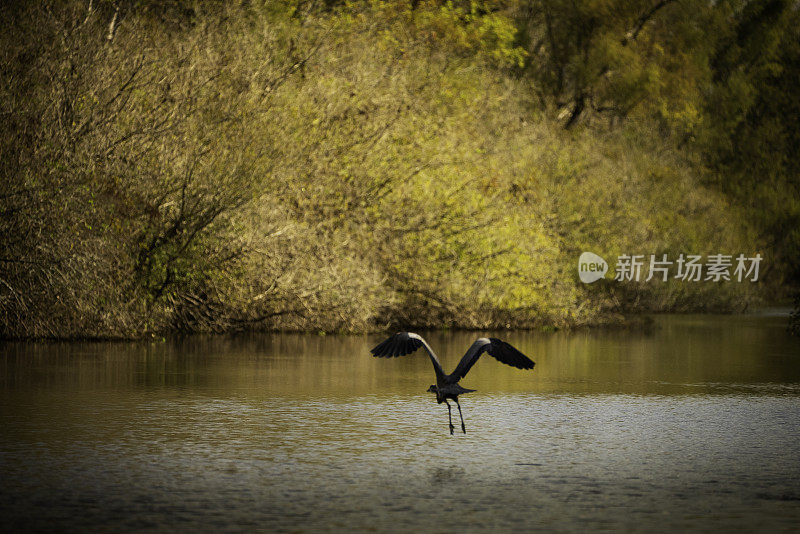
(447, 386)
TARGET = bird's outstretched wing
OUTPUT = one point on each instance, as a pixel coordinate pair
(498, 349)
(403, 343)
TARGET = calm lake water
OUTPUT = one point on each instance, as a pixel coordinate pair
(693, 424)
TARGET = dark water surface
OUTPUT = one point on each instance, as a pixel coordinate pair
(692, 425)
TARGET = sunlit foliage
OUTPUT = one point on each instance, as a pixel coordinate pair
(347, 166)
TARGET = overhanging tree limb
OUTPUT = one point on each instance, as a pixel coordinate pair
(633, 33)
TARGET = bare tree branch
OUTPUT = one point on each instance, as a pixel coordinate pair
(633, 33)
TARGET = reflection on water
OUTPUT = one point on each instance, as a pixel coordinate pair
(692, 424)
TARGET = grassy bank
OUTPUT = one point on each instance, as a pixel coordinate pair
(341, 167)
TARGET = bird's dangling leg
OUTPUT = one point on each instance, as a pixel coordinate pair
(463, 429)
(449, 417)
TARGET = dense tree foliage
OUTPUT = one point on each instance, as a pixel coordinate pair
(344, 166)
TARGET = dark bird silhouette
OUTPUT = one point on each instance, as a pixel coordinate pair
(447, 386)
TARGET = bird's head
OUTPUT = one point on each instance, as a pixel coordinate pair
(433, 389)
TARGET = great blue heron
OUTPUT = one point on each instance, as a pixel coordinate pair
(447, 386)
